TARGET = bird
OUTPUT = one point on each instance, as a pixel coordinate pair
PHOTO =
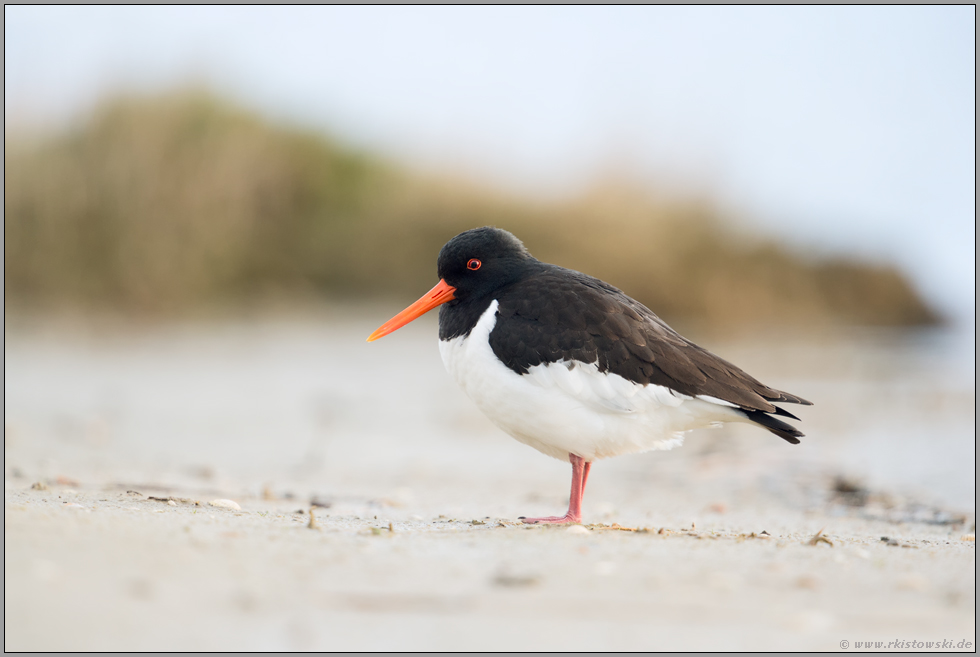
(572, 366)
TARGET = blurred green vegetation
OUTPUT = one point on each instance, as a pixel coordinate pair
(169, 203)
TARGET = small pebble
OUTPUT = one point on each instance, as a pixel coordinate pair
(171, 503)
(577, 529)
(225, 504)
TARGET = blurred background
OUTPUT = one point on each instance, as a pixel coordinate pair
(207, 210)
(747, 164)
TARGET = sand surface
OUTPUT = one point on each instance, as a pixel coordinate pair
(118, 439)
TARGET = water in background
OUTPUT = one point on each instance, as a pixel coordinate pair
(305, 404)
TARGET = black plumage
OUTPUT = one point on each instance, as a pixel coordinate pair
(547, 314)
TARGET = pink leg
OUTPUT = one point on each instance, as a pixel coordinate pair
(580, 475)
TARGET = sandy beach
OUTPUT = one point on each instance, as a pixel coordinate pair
(282, 485)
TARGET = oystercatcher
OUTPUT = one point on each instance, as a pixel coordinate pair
(573, 367)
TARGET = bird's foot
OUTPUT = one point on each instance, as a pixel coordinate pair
(566, 519)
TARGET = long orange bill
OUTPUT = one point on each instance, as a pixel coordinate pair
(437, 296)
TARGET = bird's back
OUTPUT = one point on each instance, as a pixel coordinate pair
(558, 315)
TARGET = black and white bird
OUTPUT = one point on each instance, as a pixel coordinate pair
(572, 366)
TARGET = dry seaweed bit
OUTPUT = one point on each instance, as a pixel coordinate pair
(615, 527)
(174, 501)
(313, 524)
(477, 522)
(39, 485)
(391, 527)
(819, 538)
(850, 491)
(515, 581)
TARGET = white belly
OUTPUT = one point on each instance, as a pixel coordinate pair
(571, 407)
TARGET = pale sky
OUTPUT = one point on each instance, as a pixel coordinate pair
(843, 129)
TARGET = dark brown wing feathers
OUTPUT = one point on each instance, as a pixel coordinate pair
(559, 313)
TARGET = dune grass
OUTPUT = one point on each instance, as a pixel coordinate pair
(170, 203)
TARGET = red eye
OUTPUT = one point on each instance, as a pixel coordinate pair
(473, 264)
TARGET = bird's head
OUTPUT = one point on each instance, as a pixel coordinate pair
(471, 266)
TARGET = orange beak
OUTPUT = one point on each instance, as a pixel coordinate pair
(437, 296)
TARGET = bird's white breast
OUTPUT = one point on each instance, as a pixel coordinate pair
(570, 406)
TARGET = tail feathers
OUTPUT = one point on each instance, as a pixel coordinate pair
(785, 431)
(781, 396)
(784, 413)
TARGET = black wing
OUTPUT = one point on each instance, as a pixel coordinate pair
(563, 314)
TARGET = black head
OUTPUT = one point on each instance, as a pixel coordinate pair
(472, 266)
(482, 260)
